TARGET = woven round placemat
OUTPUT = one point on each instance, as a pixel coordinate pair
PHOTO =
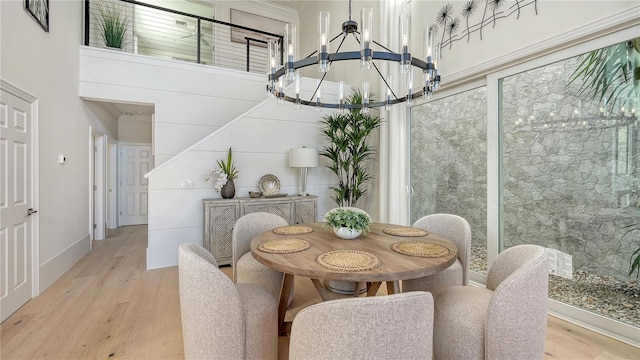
(348, 260)
(404, 231)
(292, 230)
(420, 249)
(284, 246)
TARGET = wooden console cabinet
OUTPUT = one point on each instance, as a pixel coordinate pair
(220, 216)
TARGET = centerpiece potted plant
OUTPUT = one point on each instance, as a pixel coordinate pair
(347, 223)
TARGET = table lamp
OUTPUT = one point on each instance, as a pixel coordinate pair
(303, 158)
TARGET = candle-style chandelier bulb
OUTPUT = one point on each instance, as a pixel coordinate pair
(387, 104)
(341, 95)
(366, 54)
(323, 41)
(365, 97)
(436, 68)
(318, 95)
(280, 94)
(272, 64)
(405, 41)
(296, 85)
(410, 86)
(429, 73)
(290, 50)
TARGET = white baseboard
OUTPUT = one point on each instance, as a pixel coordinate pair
(55, 267)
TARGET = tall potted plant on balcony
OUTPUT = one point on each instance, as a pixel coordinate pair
(113, 25)
(348, 151)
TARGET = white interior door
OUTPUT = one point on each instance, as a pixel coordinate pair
(16, 233)
(112, 180)
(98, 178)
(135, 162)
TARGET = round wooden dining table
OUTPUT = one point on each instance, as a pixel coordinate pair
(314, 251)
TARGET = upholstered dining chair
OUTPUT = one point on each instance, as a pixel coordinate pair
(506, 320)
(456, 229)
(221, 320)
(246, 269)
(380, 327)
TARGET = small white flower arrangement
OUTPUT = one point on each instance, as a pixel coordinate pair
(221, 178)
(224, 173)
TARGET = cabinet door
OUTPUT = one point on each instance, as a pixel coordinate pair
(305, 211)
(281, 208)
(219, 222)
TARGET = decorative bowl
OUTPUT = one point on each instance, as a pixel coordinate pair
(255, 194)
(269, 184)
(346, 233)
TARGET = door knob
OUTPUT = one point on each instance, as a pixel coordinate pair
(30, 211)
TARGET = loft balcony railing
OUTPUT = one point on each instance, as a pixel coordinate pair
(176, 35)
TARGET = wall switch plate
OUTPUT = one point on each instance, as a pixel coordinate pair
(186, 184)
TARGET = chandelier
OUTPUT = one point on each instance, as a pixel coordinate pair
(277, 78)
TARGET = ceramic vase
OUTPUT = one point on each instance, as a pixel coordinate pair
(228, 190)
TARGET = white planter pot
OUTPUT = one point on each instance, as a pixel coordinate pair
(347, 233)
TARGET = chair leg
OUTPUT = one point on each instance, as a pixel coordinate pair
(393, 287)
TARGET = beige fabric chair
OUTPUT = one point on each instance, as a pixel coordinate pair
(221, 320)
(380, 327)
(456, 229)
(246, 269)
(506, 320)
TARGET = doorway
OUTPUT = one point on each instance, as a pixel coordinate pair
(18, 199)
(98, 185)
(135, 161)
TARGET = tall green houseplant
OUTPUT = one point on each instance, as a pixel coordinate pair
(348, 151)
(113, 25)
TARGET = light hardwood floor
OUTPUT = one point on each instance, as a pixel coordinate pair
(109, 306)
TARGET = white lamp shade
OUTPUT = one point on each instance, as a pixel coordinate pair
(303, 157)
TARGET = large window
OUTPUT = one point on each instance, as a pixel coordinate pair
(449, 163)
(559, 156)
(569, 168)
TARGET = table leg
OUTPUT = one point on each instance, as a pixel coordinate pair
(356, 289)
(287, 282)
(393, 287)
(372, 289)
(321, 290)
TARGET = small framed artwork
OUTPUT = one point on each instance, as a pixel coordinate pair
(39, 11)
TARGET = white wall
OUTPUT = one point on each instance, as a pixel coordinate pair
(191, 100)
(512, 36)
(260, 140)
(45, 65)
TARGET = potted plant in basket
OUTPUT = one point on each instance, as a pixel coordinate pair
(347, 223)
(113, 25)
